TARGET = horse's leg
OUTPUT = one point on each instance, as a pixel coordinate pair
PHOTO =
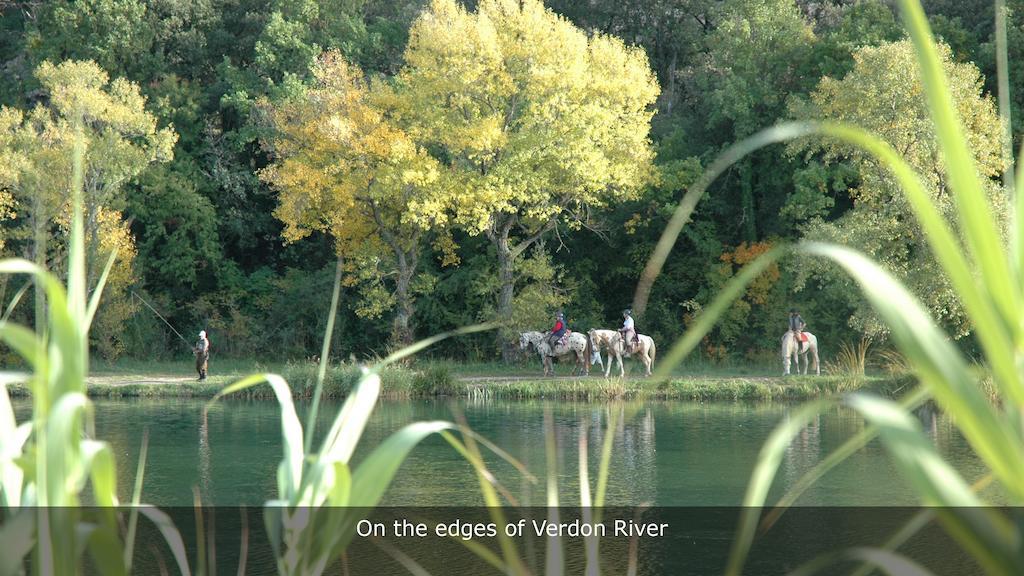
(647, 361)
(817, 367)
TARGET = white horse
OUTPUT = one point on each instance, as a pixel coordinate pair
(612, 341)
(576, 344)
(791, 352)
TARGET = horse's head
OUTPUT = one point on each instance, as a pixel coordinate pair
(524, 341)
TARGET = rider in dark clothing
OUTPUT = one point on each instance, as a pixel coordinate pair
(797, 325)
(558, 330)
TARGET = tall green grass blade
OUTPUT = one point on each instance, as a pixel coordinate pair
(15, 300)
(171, 536)
(976, 217)
(935, 482)
(996, 338)
(488, 484)
(341, 439)
(374, 474)
(133, 514)
(325, 352)
(681, 216)
(63, 458)
(428, 342)
(761, 479)
(706, 320)
(888, 562)
(911, 401)
(404, 559)
(475, 459)
(290, 473)
(917, 523)
(106, 552)
(24, 342)
(939, 364)
(982, 531)
(97, 293)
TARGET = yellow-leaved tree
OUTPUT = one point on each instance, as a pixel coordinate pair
(120, 140)
(344, 165)
(536, 123)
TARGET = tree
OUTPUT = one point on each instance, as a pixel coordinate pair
(759, 54)
(535, 123)
(345, 166)
(120, 139)
(885, 96)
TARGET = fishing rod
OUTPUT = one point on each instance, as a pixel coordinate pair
(187, 343)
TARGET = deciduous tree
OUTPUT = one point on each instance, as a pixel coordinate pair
(536, 123)
(884, 95)
(345, 166)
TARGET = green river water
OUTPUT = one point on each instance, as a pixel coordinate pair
(665, 454)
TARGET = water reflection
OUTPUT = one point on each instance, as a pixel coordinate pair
(665, 453)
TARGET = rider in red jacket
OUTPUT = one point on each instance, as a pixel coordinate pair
(558, 330)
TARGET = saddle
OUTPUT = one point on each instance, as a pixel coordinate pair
(562, 342)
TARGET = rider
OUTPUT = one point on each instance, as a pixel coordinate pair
(797, 325)
(558, 330)
(628, 331)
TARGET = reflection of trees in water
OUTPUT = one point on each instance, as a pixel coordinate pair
(518, 427)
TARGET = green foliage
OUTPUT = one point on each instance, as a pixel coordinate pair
(884, 96)
(725, 69)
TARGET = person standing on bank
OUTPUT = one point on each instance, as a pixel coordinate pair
(202, 352)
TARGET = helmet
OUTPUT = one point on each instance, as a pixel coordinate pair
(560, 316)
(627, 312)
(202, 333)
(792, 311)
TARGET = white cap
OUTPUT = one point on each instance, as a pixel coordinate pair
(202, 333)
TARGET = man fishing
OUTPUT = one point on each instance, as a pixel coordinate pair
(202, 352)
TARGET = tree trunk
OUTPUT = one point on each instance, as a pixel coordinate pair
(506, 277)
(401, 333)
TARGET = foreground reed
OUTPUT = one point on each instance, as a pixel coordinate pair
(987, 273)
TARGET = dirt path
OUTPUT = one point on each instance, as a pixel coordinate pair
(125, 379)
(129, 379)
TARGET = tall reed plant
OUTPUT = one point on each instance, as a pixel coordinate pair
(987, 273)
(47, 462)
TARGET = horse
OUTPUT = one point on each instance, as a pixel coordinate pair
(791, 352)
(612, 341)
(576, 344)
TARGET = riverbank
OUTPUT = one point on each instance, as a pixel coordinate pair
(442, 380)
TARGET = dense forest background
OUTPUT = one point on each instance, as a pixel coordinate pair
(200, 241)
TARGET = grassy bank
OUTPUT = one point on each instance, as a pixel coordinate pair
(449, 379)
